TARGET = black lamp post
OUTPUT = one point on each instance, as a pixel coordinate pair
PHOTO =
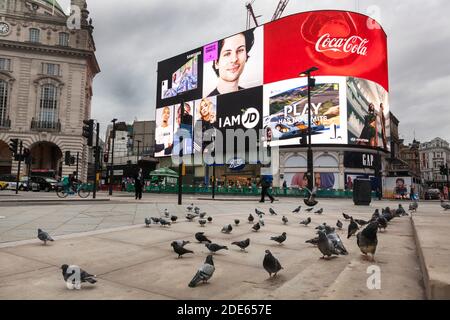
(311, 83)
(111, 175)
(137, 156)
(180, 166)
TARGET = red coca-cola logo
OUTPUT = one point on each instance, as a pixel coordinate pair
(352, 44)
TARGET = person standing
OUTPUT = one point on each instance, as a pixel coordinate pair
(138, 182)
(265, 185)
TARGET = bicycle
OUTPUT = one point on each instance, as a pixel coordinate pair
(81, 189)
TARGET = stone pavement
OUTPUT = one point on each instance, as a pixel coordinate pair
(135, 262)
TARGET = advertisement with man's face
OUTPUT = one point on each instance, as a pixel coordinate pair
(234, 63)
(397, 187)
(339, 43)
(324, 181)
(286, 111)
(164, 131)
(368, 114)
(180, 75)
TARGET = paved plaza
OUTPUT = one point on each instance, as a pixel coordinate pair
(131, 261)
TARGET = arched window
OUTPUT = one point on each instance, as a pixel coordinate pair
(34, 35)
(48, 112)
(3, 102)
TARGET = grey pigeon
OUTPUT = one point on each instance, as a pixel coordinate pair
(190, 217)
(272, 212)
(242, 244)
(200, 237)
(148, 222)
(321, 227)
(179, 249)
(236, 221)
(445, 205)
(387, 214)
(297, 210)
(382, 223)
(337, 242)
(256, 227)
(202, 215)
(181, 243)
(44, 236)
(339, 224)
(189, 208)
(164, 222)
(197, 210)
(204, 273)
(375, 215)
(284, 220)
(166, 213)
(329, 229)
(362, 223)
(346, 216)
(261, 221)
(202, 222)
(401, 211)
(259, 212)
(352, 228)
(280, 239)
(250, 218)
(173, 218)
(213, 247)
(309, 209)
(271, 264)
(155, 220)
(414, 206)
(227, 229)
(326, 245)
(311, 201)
(209, 219)
(320, 211)
(74, 270)
(367, 239)
(306, 222)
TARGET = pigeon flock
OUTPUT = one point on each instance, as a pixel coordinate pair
(327, 239)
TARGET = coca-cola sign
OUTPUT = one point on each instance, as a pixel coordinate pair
(353, 44)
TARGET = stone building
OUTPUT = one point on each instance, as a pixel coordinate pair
(433, 154)
(47, 69)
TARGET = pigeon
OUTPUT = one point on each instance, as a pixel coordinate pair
(155, 220)
(236, 221)
(190, 217)
(179, 249)
(256, 227)
(401, 211)
(204, 273)
(367, 239)
(362, 223)
(181, 243)
(166, 213)
(297, 210)
(202, 215)
(382, 223)
(259, 212)
(352, 228)
(337, 242)
(320, 211)
(321, 227)
(189, 208)
(309, 210)
(329, 229)
(261, 221)
(242, 244)
(250, 218)
(271, 264)
(314, 241)
(346, 216)
(339, 224)
(148, 222)
(306, 222)
(197, 210)
(326, 245)
(227, 229)
(284, 220)
(209, 219)
(44, 236)
(173, 219)
(445, 206)
(200, 236)
(76, 276)
(386, 213)
(202, 222)
(272, 212)
(414, 206)
(311, 200)
(213, 247)
(164, 223)
(375, 216)
(280, 239)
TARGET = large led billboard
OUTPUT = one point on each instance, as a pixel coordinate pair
(251, 80)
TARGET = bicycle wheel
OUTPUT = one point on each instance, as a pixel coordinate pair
(61, 192)
(83, 191)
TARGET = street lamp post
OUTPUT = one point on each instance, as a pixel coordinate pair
(111, 175)
(180, 166)
(137, 156)
(311, 83)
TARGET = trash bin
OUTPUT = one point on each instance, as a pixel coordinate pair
(362, 192)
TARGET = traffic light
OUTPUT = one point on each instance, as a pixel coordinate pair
(67, 158)
(14, 146)
(88, 131)
(27, 156)
(312, 82)
(105, 157)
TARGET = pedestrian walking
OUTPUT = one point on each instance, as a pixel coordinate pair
(265, 186)
(138, 183)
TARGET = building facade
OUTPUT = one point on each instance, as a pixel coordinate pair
(433, 154)
(47, 69)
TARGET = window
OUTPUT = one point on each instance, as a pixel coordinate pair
(34, 35)
(5, 64)
(50, 69)
(48, 104)
(3, 101)
(63, 39)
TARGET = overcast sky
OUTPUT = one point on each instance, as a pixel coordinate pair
(132, 36)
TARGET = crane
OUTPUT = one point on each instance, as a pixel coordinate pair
(280, 8)
(251, 15)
